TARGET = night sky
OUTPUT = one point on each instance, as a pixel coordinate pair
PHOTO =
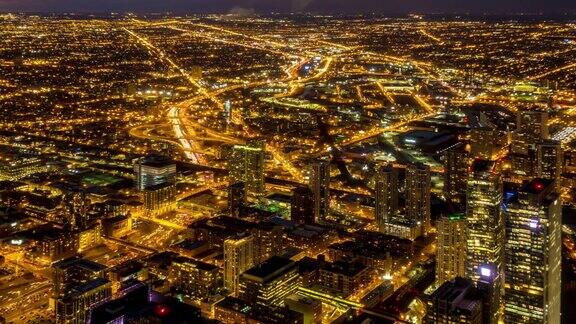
(326, 6)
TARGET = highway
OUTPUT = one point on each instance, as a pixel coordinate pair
(185, 128)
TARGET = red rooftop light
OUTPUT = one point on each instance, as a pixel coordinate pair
(161, 310)
(538, 186)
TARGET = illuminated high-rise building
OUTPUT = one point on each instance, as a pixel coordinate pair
(238, 257)
(489, 287)
(456, 165)
(154, 170)
(386, 190)
(320, 185)
(485, 242)
(451, 255)
(236, 198)
(302, 205)
(549, 156)
(267, 238)
(533, 254)
(246, 165)
(531, 128)
(418, 195)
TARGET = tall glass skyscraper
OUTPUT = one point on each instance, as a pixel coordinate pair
(533, 254)
(386, 190)
(485, 221)
(451, 257)
(418, 189)
(320, 185)
(246, 165)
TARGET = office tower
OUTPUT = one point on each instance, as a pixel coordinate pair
(160, 199)
(238, 257)
(310, 308)
(79, 286)
(236, 198)
(386, 190)
(153, 170)
(246, 165)
(270, 282)
(533, 254)
(531, 128)
(489, 286)
(320, 185)
(451, 255)
(457, 161)
(267, 241)
(302, 205)
(485, 242)
(195, 279)
(549, 156)
(455, 301)
(418, 195)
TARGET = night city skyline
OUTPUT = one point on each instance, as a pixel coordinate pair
(287, 161)
(286, 6)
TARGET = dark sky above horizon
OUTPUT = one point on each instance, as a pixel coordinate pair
(331, 6)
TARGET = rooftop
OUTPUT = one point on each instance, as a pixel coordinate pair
(269, 269)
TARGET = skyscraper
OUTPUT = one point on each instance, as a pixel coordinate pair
(154, 170)
(533, 254)
(549, 156)
(531, 128)
(386, 189)
(489, 286)
(236, 198)
(320, 185)
(238, 257)
(302, 205)
(485, 242)
(418, 195)
(456, 165)
(451, 255)
(246, 165)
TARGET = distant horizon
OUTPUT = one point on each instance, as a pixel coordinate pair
(333, 7)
